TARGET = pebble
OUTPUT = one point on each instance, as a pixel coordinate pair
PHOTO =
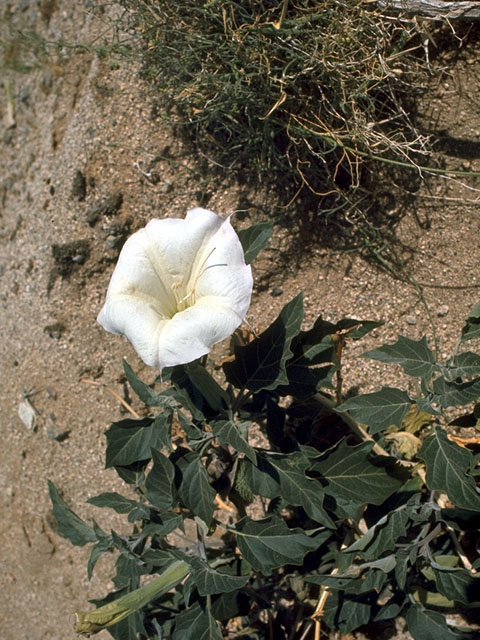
(411, 320)
(442, 311)
(276, 292)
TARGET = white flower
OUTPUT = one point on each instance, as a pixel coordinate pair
(179, 287)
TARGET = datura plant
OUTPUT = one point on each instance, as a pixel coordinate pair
(260, 502)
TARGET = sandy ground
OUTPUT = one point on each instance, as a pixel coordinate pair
(73, 156)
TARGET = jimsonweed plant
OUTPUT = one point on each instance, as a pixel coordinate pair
(261, 503)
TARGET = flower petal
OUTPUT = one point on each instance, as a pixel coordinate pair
(191, 334)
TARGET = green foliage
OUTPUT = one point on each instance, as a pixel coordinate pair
(323, 503)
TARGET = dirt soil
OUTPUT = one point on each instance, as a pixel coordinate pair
(86, 158)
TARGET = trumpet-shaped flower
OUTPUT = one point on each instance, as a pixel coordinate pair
(179, 287)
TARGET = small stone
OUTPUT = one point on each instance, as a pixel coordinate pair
(79, 186)
(276, 292)
(411, 320)
(54, 330)
(442, 311)
(107, 207)
(27, 414)
(167, 186)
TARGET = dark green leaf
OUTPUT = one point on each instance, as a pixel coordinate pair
(429, 625)
(162, 424)
(350, 475)
(213, 393)
(379, 410)
(160, 481)
(346, 612)
(69, 524)
(144, 392)
(120, 504)
(129, 441)
(268, 544)
(465, 364)
(128, 628)
(229, 434)
(457, 584)
(472, 326)
(196, 492)
(254, 239)
(382, 537)
(260, 478)
(104, 544)
(298, 489)
(447, 470)
(133, 473)
(454, 394)
(416, 358)
(210, 581)
(261, 363)
(196, 623)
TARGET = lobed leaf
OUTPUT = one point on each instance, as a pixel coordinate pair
(349, 474)
(447, 470)
(254, 239)
(382, 536)
(261, 364)
(196, 623)
(130, 441)
(268, 544)
(429, 625)
(229, 434)
(210, 581)
(416, 358)
(471, 329)
(379, 410)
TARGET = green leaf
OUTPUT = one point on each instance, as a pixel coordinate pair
(144, 392)
(254, 239)
(260, 478)
(160, 481)
(346, 612)
(196, 492)
(196, 623)
(229, 434)
(213, 393)
(298, 489)
(472, 326)
(382, 537)
(210, 581)
(464, 364)
(457, 584)
(350, 475)
(379, 410)
(429, 625)
(120, 504)
(268, 544)
(261, 363)
(162, 425)
(447, 470)
(105, 543)
(130, 441)
(415, 358)
(454, 394)
(69, 524)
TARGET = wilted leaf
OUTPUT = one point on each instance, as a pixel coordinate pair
(406, 445)
(416, 419)
(447, 470)
(416, 358)
(254, 239)
(378, 410)
(69, 524)
(261, 363)
(268, 544)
